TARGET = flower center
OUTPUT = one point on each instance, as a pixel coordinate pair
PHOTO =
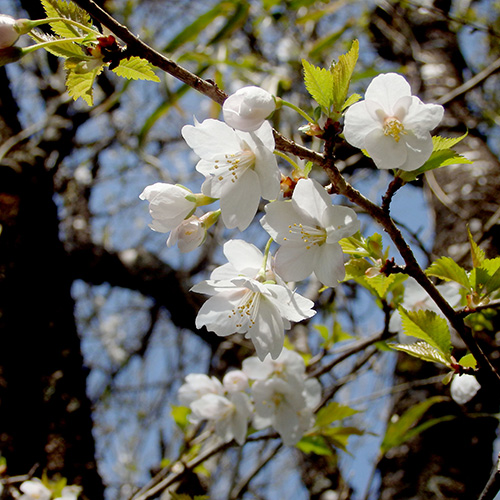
(392, 126)
(311, 236)
(247, 309)
(234, 164)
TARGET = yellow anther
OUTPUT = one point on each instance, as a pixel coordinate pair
(392, 126)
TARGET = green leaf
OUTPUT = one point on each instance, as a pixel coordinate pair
(447, 269)
(180, 416)
(332, 412)
(69, 10)
(493, 283)
(339, 436)
(398, 431)
(79, 82)
(485, 274)
(428, 326)
(62, 49)
(314, 444)
(438, 159)
(442, 143)
(380, 283)
(319, 83)
(136, 68)
(356, 268)
(423, 351)
(468, 361)
(351, 100)
(342, 74)
(477, 254)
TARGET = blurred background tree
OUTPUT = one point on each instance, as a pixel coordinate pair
(96, 319)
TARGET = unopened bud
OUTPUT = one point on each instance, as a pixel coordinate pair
(8, 31)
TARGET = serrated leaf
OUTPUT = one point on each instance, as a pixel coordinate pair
(136, 68)
(314, 444)
(380, 283)
(442, 143)
(423, 351)
(332, 412)
(356, 268)
(351, 100)
(477, 254)
(79, 84)
(480, 276)
(468, 361)
(493, 283)
(342, 74)
(68, 10)
(429, 327)
(62, 49)
(437, 159)
(447, 269)
(399, 432)
(319, 83)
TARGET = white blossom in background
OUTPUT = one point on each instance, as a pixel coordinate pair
(70, 492)
(239, 168)
(416, 298)
(392, 125)
(245, 300)
(8, 32)
(197, 385)
(308, 228)
(248, 108)
(34, 489)
(463, 388)
(169, 205)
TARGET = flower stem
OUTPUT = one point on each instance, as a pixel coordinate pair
(42, 45)
(298, 110)
(262, 272)
(39, 22)
(288, 159)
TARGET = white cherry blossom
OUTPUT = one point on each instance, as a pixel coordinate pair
(8, 32)
(308, 228)
(288, 408)
(188, 235)
(230, 414)
(239, 167)
(244, 300)
(34, 489)
(169, 205)
(197, 385)
(248, 108)
(463, 388)
(392, 125)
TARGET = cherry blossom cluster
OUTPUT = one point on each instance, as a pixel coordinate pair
(269, 393)
(35, 489)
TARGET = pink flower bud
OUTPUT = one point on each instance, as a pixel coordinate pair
(8, 32)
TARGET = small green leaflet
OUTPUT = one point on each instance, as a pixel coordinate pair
(136, 68)
(314, 444)
(62, 49)
(447, 269)
(68, 10)
(477, 254)
(428, 326)
(319, 83)
(342, 73)
(468, 361)
(332, 412)
(79, 83)
(423, 351)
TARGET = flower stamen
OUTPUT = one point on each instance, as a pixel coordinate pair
(394, 127)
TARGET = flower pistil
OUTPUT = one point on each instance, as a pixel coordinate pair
(394, 127)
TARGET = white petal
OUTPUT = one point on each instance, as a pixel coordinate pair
(418, 150)
(292, 305)
(256, 369)
(358, 123)
(211, 138)
(421, 118)
(295, 263)
(387, 89)
(329, 265)
(310, 197)
(240, 203)
(385, 151)
(341, 222)
(244, 257)
(267, 334)
(463, 388)
(211, 407)
(269, 174)
(279, 216)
